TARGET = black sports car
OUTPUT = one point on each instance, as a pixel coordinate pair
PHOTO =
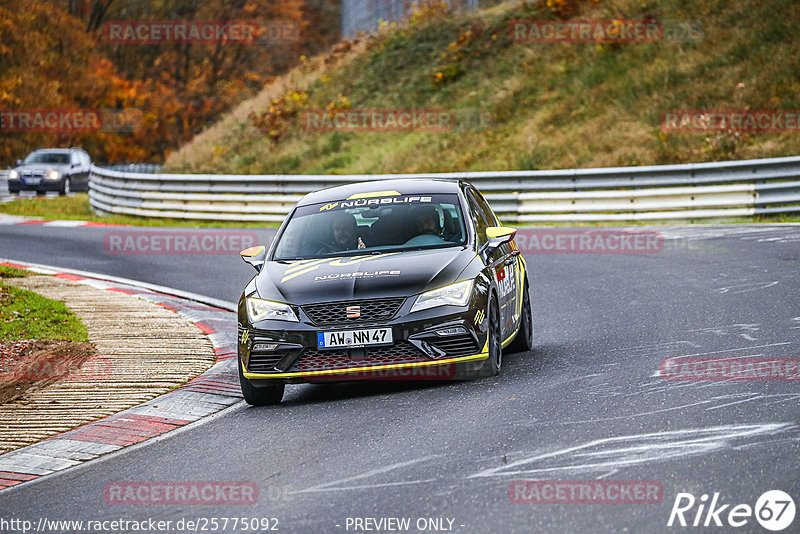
(395, 279)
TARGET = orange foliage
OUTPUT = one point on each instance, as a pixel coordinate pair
(54, 54)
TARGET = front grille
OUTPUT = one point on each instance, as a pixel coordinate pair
(322, 360)
(335, 313)
(456, 346)
(32, 176)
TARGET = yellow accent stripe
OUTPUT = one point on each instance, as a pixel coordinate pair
(475, 357)
(374, 194)
(344, 261)
(298, 262)
(298, 273)
(510, 338)
(499, 231)
(303, 264)
(252, 251)
(520, 283)
(341, 261)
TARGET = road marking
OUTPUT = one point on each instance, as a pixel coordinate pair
(614, 453)
(745, 288)
(730, 350)
(327, 486)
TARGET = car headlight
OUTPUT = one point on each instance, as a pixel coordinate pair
(52, 175)
(13, 175)
(453, 295)
(260, 309)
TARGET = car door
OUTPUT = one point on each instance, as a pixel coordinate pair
(80, 172)
(74, 171)
(505, 267)
(87, 164)
(494, 259)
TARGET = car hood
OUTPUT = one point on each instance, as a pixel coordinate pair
(361, 277)
(60, 167)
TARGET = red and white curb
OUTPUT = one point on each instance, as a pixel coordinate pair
(15, 220)
(203, 396)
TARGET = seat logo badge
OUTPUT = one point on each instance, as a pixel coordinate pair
(353, 312)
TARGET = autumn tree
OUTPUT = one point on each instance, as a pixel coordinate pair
(56, 54)
(47, 61)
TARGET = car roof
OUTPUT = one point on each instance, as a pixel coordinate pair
(59, 150)
(405, 186)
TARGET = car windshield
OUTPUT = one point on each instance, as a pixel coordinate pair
(47, 157)
(391, 223)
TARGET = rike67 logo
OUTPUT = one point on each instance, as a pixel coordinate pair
(774, 510)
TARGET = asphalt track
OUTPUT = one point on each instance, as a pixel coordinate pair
(585, 404)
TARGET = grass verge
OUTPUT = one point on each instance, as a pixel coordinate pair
(77, 208)
(532, 105)
(27, 315)
(7, 271)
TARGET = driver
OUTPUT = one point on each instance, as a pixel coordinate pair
(345, 232)
(426, 221)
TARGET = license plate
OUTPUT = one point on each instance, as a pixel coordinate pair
(354, 338)
(33, 181)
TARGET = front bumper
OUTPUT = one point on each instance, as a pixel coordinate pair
(42, 186)
(287, 351)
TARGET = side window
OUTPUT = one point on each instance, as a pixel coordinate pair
(452, 225)
(477, 217)
(491, 218)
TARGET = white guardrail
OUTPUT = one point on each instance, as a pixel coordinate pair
(687, 191)
(3, 183)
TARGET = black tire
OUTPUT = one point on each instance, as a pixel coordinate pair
(492, 364)
(65, 187)
(260, 395)
(524, 340)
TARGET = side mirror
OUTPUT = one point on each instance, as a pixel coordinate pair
(19, 162)
(498, 235)
(255, 256)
